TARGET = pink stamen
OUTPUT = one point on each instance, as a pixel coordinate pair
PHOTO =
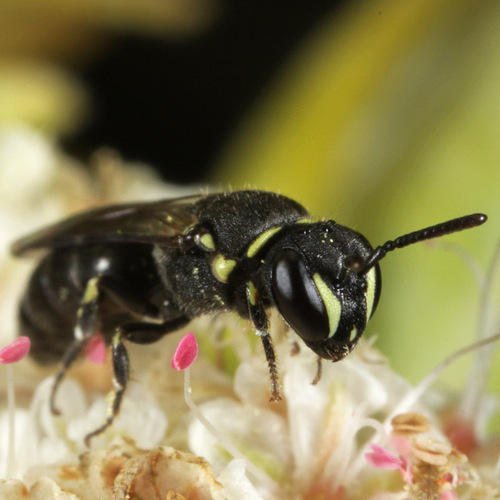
(12, 353)
(400, 444)
(406, 472)
(95, 351)
(382, 459)
(186, 353)
(15, 351)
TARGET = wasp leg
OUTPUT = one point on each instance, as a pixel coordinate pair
(319, 371)
(85, 328)
(271, 363)
(139, 333)
(259, 318)
(87, 321)
(121, 370)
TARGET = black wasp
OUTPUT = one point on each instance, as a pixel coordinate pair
(136, 272)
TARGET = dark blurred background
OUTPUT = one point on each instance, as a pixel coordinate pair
(171, 102)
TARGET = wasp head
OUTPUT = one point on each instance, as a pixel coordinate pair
(320, 288)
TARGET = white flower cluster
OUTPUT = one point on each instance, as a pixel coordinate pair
(331, 440)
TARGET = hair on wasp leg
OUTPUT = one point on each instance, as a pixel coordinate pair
(139, 271)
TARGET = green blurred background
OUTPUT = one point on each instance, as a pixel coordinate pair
(383, 115)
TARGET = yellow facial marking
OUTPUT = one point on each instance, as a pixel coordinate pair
(332, 304)
(261, 240)
(371, 282)
(222, 267)
(354, 334)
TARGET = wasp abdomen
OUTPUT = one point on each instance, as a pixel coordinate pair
(48, 309)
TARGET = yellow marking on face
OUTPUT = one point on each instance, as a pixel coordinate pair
(353, 335)
(252, 293)
(332, 304)
(371, 284)
(305, 220)
(261, 240)
(208, 241)
(222, 267)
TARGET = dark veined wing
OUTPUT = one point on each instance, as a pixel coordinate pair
(158, 222)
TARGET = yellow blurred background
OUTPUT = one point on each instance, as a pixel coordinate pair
(384, 117)
(387, 120)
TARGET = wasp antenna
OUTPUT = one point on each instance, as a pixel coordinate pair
(450, 226)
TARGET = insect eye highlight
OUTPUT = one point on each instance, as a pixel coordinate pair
(297, 297)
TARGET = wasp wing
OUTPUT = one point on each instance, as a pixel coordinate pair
(159, 222)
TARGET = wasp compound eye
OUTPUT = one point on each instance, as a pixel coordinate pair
(297, 297)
